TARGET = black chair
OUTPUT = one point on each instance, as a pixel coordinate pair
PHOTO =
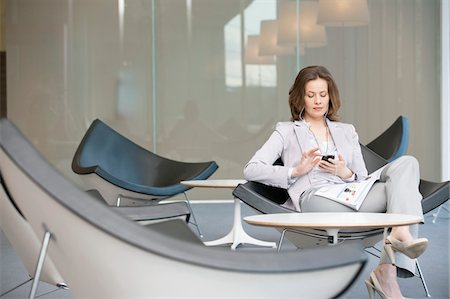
(393, 142)
(120, 169)
(267, 200)
(102, 254)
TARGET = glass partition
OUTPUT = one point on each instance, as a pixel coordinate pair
(198, 80)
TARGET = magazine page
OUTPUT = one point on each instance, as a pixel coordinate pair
(350, 194)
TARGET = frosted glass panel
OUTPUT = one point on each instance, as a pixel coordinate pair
(176, 76)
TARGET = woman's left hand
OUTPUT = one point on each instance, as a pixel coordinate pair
(337, 167)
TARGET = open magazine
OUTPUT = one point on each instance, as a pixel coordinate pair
(351, 194)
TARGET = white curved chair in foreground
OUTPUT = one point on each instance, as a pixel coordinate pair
(25, 243)
(102, 254)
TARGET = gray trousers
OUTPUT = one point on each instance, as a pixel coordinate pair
(397, 192)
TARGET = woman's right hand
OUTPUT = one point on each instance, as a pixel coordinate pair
(308, 161)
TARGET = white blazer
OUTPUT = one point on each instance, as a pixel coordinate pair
(288, 142)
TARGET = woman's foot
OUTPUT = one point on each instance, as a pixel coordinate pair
(387, 278)
(401, 233)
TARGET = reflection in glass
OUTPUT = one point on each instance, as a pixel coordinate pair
(343, 13)
(233, 59)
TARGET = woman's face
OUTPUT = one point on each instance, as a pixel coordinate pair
(316, 99)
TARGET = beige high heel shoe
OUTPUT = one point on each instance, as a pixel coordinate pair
(412, 249)
(373, 286)
(389, 253)
(372, 282)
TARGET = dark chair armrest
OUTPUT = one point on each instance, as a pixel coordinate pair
(434, 194)
(155, 212)
(263, 198)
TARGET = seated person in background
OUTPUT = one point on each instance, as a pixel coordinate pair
(314, 132)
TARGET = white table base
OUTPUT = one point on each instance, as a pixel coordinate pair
(237, 235)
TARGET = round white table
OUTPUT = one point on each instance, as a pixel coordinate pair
(331, 222)
(237, 234)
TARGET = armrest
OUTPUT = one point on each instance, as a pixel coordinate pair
(263, 198)
(434, 194)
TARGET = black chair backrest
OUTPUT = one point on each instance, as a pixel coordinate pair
(393, 142)
(124, 163)
(373, 160)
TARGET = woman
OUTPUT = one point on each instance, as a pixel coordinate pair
(317, 150)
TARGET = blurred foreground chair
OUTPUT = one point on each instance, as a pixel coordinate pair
(393, 142)
(267, 200)
(27, 246)
(139, 260)
(25, 243)
(120, 169)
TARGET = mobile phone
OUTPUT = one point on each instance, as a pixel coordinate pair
(327, 157)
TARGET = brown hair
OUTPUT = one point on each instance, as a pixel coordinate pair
(297, 92)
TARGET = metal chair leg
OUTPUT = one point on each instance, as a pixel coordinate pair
(436, 215)
(16, 287)
(422, 279)
(193, 216)
(281, 239)
(40, 263)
